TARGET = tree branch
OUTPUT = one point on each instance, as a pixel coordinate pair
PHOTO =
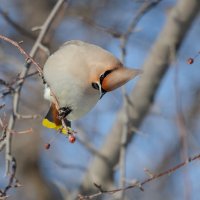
(6, 143)
(18, 27)
(124, 38)
(137, 183)
(155, 67)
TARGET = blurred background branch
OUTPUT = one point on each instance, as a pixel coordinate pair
(131, 30)
(7, 141)
(155, 66)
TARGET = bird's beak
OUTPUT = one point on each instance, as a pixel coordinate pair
(118, 78)
(102, 94)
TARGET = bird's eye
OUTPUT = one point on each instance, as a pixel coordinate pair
(95, 86)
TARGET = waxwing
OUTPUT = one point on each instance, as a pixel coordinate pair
(79, 74)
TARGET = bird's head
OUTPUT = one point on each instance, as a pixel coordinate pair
(112, 78)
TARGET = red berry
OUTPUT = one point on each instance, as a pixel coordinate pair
(47, 146)
(190, 61)
(72, 138)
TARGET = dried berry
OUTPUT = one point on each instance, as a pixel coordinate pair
(47, 146)
(72, 138)
(190, 61)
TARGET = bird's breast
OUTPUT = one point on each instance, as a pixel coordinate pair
(72, 94)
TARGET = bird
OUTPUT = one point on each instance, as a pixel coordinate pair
(79, 74)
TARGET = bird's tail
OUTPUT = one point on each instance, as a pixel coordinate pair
(52, 121)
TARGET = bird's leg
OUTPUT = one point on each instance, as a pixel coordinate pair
(63, 112)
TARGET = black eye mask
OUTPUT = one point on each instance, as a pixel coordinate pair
(104, 75)
(96, 85)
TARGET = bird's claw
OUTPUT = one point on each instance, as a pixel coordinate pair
(63, 112)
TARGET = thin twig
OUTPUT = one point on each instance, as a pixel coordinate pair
(140, 184)
(44, 28)
(12, 181)
(27, 56)
(11, 86)
(19, 28)
(110, 31)
(89, 147)
(70, 166)
(181, 125)
(145, 7)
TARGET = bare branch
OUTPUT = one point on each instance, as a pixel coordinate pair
(145, 7)
(19, 28)
(70, 166)
(27, 56)
(30, 59)
(140, 184)
(13, 182)
(155, 66)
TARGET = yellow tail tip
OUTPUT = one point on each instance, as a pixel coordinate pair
(48, 124)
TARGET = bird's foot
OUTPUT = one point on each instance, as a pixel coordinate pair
(63, 112)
